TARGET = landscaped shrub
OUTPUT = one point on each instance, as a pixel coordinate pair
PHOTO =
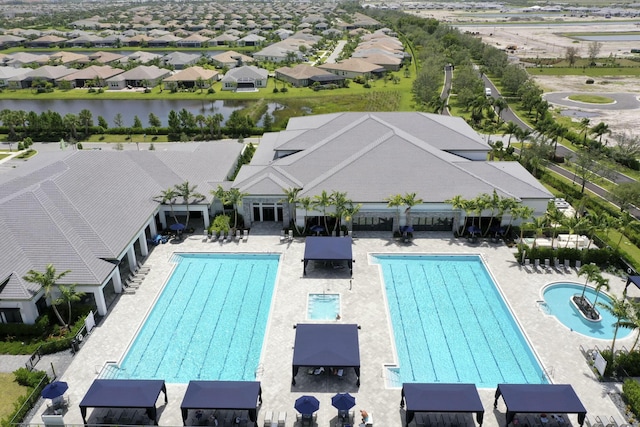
(28, 378)
(629, 363)
(21, 330)
(590, 81)
(631, 394)
(35, 383)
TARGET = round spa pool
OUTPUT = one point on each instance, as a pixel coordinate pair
(557, 298)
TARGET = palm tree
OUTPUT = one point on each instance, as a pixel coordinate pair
(599, 130)
(47, 281)
(592, 272)
(189, 195)
(291, 197)
(494, 204)
(86, 120)
(305, 203)
(618, 308)
(234, 196)
(68, 295)
(410, 200)
(520, 211)
(395, 201)
(458, 202)
(340, 203)
(573, 224)
(634, 317)
(322, 201)
(168, 197)
(351, 211)
(539, 224)
(511, 129)
(584, 128)
(601, 283)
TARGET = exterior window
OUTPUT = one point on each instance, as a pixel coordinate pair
(10, 315)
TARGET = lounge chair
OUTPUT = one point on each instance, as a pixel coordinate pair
(290, 235)
(605, 421)
(268, 419)
(567, 265)
(238, 235)
(578, 264)
(245, 235)
(282, 235)
(142, 269)
(547, 264)
(536, 264)
(527, 263)
(282, 419)
(556, 263)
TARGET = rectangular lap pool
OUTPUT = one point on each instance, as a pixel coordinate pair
(451, 324)
(209, 321)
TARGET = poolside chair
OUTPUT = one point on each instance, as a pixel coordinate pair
(556, 263)
(567, 265)
(547, 264)
(536, 264)
(142, 269)
(527, 263)
(578, 264)
(282, 235)
(282, 419)
(605, 421)
(238, 235)
(268, 419)
(291, 235)
(245, 235)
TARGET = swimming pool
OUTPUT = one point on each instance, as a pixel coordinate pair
(323, 307)
(557, 296)
(209, 321)
(451, 324)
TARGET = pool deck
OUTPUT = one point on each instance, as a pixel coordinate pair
(362, 302)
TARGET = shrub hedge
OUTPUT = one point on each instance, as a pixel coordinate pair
(35, 381)
(631, 395)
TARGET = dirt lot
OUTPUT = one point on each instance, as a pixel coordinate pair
(547, 41)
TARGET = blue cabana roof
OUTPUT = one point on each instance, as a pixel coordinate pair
(441, 398)
(540, 398)
(326, 345)
(632, 279)
(238, 395)
(124, 394)
(320, 248)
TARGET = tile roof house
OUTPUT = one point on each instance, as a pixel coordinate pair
(49, 73)
(190, 77)
(140, 76)
(179, 60)
(47, 41)
(98, 235)
(8, 72)
(353, 67)
(231, 59)
(92, 76)
(303, 75)
(194, 40)
(371, 156)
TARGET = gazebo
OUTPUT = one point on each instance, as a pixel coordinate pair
(238, 395)
(329, 249)
(434, 397)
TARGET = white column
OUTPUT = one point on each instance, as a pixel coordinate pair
(131, 256)
(152, 226)
(163, 218)
(205, 215)
(144, 249)
(117, 282)
(100, 302)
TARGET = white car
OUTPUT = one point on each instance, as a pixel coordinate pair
(487, 91)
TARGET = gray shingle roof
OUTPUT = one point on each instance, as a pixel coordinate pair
(86, 207)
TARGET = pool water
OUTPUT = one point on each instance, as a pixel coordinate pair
(558, 295)
(209, 321)
(323, 307)
(451, 324)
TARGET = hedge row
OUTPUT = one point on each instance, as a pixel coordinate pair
(35, 381)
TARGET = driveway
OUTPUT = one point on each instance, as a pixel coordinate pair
(622, 101)
(336, 52)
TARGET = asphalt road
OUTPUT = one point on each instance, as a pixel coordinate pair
(621, 101)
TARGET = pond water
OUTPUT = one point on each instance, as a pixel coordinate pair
(108, 108)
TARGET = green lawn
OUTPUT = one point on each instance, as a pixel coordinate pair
(587, 71)
(592, 99)
(11, 390)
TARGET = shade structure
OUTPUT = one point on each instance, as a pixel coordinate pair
(319, 248)
(177, 227)
(54, 390)
(307, 405)
(635, 280)
(427, 397)
(326, 345)
(540, 398)
(124, 394)
(343, 401)
(234, 395)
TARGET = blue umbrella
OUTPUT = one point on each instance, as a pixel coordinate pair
(343, 401)
(307, 405)
(54, 389)
(177, 227)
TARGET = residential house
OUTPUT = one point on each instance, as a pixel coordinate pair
(251, 40)
(92, 76)
(223, 40)
(180, 60)
(192, 77)
(67, 58)
(47, 73)
(231, 59)
(47, 41)
(194, 40)
(303, 75)
(8, 72)
(353, 67)
(245, 78)
(138, 77)
(8, 40)
(103, 57)
(164, 41)
(20, 59)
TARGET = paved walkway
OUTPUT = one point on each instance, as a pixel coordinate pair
(362, 302)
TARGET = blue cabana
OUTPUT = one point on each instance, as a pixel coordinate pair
(235, 395)
(331, 346)
(440, 398)
(124, 394)
(540, 398)
(632, 279)
(319, 248)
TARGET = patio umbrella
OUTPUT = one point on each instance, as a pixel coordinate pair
(176, 227)
(343, 401)
(54, 390)
(307, 405)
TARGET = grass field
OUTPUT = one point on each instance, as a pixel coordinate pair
(591, 99)
(11, 390)
(586, 71)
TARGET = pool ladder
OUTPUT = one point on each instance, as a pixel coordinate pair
(259, 371)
